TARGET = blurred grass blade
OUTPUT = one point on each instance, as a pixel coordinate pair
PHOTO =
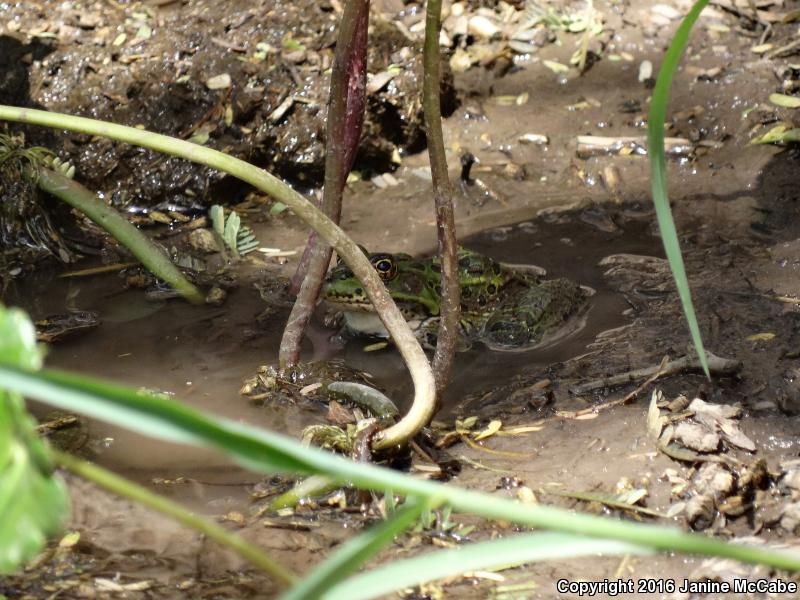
(658, 173)
(155, 415)
(355, 553)
(33, 501)
(268, 452)
(495, 554)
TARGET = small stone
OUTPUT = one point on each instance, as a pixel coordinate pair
(203, 240)
(700, 512)
(482, 27)
(790, 520)
(715, 480)
(792, 479)
(219, 82)
(645, 70)
(216, 296)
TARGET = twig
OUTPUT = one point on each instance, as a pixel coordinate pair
(97, 270)
(662, 369)
(785, 50)
(602, 499)
(716, 364)
(596, 145)
(443, 198)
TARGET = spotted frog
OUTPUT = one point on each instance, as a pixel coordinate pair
(56, 328)
(503, 307)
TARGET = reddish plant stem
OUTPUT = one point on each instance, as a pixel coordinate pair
(343, 132)
(443, 198)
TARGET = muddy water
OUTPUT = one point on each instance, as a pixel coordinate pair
(200, 355)
(566, 246)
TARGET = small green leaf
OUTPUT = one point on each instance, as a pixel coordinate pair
(232, 231)
(784, 101)
(144, 32)
(277, 208)
(780, 134)
(217, 216)
(33, 502)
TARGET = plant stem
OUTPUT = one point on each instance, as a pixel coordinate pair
(150, 255)
(422, 407)
(343, 132)
(127, 489)
(443, 199)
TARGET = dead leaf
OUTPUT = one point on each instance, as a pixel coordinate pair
(654, 422)
(696, 437)
(761, 337)
(492, 428)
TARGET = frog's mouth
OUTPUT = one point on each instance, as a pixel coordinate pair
(350, 303)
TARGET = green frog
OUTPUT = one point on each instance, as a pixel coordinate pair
(505, 308)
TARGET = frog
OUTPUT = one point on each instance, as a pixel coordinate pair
(55, 328)
(502, 307)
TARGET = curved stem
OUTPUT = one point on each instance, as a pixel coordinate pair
(150, 255)
(443, 198)
(424, 387)
(127, 489)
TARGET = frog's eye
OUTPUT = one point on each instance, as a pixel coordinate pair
(384, 265)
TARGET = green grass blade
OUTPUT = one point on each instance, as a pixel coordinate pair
(268, 452)
(354, 553)
(155, 415)
(496, 554)
(658, 173)
(212, 530)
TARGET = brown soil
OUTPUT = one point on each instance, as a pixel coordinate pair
(736, 211)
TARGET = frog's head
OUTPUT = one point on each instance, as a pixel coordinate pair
(415, 284)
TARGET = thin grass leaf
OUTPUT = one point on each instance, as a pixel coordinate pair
(658, 173)
(496, 554)
(354, 553)
(263, 451)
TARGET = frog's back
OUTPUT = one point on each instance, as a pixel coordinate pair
(531, 311)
